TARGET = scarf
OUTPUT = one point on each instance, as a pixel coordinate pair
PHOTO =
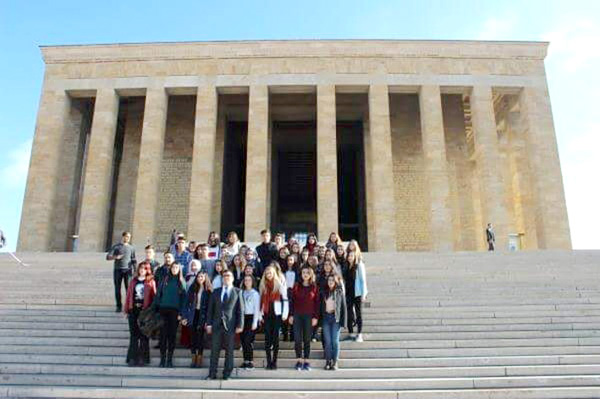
(268, 297)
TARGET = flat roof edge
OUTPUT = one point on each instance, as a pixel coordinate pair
(294, 48)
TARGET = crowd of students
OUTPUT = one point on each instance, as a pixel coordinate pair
(219, 291)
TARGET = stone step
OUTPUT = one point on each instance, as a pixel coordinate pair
(350, 353)
(369, 344)
(304, 384)
(14, 391)
(82, 310)
(372, 334)
(182, 360)
(383, 303)
(418, 331)
(289, 372)
(369, 314)
(510, 324)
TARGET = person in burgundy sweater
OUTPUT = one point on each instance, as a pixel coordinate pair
(304, 315)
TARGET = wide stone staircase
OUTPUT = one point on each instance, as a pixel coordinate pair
(459, 325)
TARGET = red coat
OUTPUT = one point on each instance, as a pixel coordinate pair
(149, 293)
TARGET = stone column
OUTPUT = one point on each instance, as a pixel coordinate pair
(552, 221)
(35, 232)
(380, 198)
(487, 158)
(327, 186)
(203, 157)
(95, 200)
(151, 155)
(257, 170)
(436, 169)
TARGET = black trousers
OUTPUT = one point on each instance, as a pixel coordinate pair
(120, 277)
(220, 337)
(354, 313)
(197, 336)
(168, 333)
(139, 348)
(272, 330)
(302, 334)
(247, 338)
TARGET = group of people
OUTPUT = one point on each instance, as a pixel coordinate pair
(219, 291)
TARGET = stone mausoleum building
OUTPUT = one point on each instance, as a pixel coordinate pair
(403, 145)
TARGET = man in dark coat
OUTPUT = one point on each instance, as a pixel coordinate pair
(225, 318)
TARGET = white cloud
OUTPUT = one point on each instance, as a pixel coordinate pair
(498, 28)
(14, 172)
(574, 44)
(580, 164)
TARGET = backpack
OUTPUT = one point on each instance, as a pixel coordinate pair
(150, 322)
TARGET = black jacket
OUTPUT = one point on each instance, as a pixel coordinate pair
(266, 254)
(189, 310)
(229, 315)
(341, 312)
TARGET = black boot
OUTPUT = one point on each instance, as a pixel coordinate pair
(269, 360)
(162, 360)
(170, 360)
(274, 362)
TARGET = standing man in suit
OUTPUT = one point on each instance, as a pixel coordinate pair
(225, 319)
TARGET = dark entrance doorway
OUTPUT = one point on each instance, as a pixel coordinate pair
(293, 177)
(351, 183)
(233, 200)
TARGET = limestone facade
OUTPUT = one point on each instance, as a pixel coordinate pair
(140, 137)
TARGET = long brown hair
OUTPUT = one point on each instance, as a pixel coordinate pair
(356, 249)
(312, 280)
(207, 285)
(146, 266)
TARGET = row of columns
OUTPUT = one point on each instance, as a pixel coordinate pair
(379, 169)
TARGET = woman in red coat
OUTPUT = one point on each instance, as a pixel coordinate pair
(140, 294)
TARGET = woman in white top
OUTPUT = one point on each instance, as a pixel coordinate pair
(274, 310)
(233, 244)
(290, 276)
(251, 317)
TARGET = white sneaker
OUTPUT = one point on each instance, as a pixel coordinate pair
(359, 338)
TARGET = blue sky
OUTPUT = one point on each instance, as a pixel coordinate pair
(572, 27)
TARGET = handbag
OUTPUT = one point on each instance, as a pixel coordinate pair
(150, 322)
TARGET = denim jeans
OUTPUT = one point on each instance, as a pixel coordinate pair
(331, 337)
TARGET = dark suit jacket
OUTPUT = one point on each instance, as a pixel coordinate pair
(229, 315)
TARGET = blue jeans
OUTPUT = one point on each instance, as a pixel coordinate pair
(331, 337)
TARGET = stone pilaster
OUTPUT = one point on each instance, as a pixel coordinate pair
(491, 187)
(552, 221)
(436, 169)
(257, 170)
(149, 170)
(380, 195)
(203, 163)
(327, 186)
(35, 233)
(95, 200)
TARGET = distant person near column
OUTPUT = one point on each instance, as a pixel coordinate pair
(123, 255)
(491, 237)
(2, 239)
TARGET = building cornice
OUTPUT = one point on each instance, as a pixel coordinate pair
(292, 49)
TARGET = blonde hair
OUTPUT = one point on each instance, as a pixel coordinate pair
(276, 280)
